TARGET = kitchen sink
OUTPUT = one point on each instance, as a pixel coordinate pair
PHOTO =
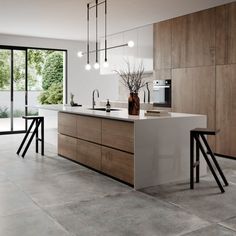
(103, 109)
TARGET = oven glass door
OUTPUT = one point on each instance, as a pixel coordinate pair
(162, 93)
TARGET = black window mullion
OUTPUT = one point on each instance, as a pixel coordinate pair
(12, 87)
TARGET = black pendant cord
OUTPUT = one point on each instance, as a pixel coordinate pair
(105, 30)
(96, 31)
(87, 33)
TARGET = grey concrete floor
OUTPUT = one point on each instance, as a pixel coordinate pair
(52, 196)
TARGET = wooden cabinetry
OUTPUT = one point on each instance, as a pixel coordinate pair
(89, 154)
(162, 45)
(226, 34)
(67, 124)
(89, 128)
(226, 109)
(118, 134)
(67, 147)
(197, 93)
(193, 39)
(118, 164)
(102, 144)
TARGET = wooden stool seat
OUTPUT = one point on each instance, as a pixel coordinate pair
(205, 131)
(32, 117)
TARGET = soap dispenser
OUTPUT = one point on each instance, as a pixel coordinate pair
(108, 106)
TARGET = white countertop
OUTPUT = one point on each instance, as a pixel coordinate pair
(122, 114)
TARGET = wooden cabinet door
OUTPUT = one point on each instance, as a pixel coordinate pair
(118, 134)
(89, 128)
(193, 39)
(89, 154)
(162, 45)
(67, 146)
(67, 124)
(226, 34)
(226, 109)
(118, 164)
(194, 92)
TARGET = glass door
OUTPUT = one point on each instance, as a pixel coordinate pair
(13, 90)
(5, 90)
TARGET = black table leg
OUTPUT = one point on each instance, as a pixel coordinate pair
(26, 136)
(31, 138)
(191, 160)
(214, 160)
(42, 136)
(37, 138)
(210, 166)
(197, 161)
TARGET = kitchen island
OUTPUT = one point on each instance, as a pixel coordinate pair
(139, 150)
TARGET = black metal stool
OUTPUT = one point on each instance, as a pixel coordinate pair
(197, 135)
(38, 121)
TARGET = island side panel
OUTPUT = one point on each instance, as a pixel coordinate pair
(162, 150)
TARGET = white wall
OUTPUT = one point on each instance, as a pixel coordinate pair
(80, 82)
(142, 52)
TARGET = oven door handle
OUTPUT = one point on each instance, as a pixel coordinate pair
(160, 86)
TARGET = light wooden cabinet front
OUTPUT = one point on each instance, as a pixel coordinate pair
(118, 164)
(67, 124)
(89, 128)
(194, 92)
(118, 134)
(89, 154)
(226, 34)
(226, 109)
(102, 144)
(162, 45)
(67, 146)
(193, 39)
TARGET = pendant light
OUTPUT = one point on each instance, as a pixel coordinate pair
(80, 54)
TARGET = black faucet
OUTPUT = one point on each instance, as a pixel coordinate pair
(148, 90)
(93, 102)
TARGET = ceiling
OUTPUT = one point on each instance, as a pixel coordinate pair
(66, 19)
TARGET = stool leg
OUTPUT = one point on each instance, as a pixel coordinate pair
(210, 166)
(214, 160)
(26, 136)
(198, 161)
(191, 160)
(42, 136)
(31, 138)
(37, 138)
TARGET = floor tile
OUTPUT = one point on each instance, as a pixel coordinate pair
(13, 200)
(131, 213)
(213, 230)
(230, 223)
(33, 223)
(205, 200)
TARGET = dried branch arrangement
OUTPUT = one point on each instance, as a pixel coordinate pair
(132, 78)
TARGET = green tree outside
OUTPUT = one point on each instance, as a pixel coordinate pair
(46, 64)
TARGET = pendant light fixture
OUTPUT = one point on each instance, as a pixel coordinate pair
(96, 4)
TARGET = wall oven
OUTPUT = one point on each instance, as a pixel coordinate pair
(162, 93)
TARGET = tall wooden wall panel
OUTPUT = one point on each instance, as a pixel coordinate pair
(162, 50)
(193, 40)
(162, 45)
(203, 61)
(194, 92)
(226, 109)
(226, 34)
(182, 90)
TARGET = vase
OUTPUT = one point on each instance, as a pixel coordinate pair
(72, 101)
(133, 104)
